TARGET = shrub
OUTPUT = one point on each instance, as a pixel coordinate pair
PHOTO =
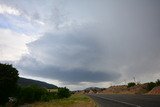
(131, 84)
(49, 96)
(63, 93)
(158, 82)
(31, 93)
(46, 97)
(150, 85)
(8, 82)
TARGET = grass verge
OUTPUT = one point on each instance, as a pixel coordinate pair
(77, 100)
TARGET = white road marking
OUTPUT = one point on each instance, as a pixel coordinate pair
(122, 102)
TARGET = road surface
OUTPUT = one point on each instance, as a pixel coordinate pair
(104, 100)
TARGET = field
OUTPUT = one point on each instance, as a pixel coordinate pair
(77, 100)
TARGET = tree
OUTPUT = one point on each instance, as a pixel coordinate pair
(63, 93)
(131, 84)
(31, 93)
(8, 81)
(158, 82)
(150, 85)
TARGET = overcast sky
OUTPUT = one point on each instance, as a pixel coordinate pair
(82, 43)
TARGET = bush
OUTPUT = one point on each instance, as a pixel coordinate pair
(63, 93)
(158, 82)
(46, 97)
(8, 82)
(49, 96)
(131, 84)
(31, 93)
(150, 85)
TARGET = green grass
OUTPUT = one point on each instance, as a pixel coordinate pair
(77, 100)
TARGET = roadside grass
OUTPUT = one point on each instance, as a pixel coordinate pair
(76, 100)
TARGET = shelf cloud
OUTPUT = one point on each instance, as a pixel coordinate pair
(85, 41)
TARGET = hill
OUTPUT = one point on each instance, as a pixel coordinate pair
(123, 89)
(93, 88)
(26, 82)
(145, 88)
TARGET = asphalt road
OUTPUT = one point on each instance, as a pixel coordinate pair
(105, 100)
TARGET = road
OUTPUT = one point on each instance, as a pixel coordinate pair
(105, 100)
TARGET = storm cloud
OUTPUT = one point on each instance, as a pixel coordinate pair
(68, 76)
(68, 57)
(86, 41)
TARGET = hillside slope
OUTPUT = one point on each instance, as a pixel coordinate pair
(26, 82)
(123, 89)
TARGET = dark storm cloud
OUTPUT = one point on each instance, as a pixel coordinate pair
(70, 76)
(68, 57)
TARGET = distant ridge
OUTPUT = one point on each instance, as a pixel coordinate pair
(26, 82)
(93, 88)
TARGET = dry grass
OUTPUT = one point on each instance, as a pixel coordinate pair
(77, 100)
(122, 89)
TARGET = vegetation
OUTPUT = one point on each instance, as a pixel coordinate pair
(63, 93)
(131, 84)
(31, 93)
(76, 100)
(8, 82)
(158, 82)
(35, 93)
(24, 94)
(150, 85)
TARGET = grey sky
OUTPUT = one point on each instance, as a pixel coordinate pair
(75, 42)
